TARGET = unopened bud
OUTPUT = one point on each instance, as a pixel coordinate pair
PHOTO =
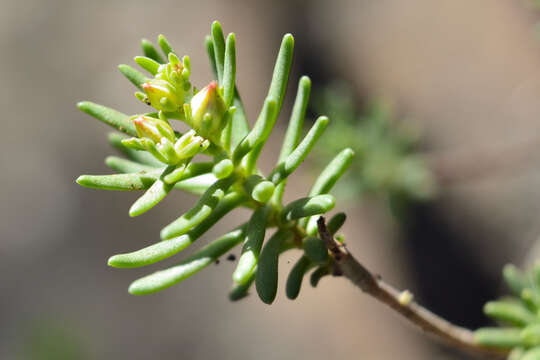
(164, 96)
(153, 129)
(207, 112)
(176, 72)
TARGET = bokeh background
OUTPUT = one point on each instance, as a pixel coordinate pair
(466, 73)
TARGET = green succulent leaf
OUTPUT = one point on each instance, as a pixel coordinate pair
(153, 195)
(151, 52)
(204, 207)
(218, 42)
(315, 249)
(109, 116)
(229, 72)
(239, 123)
(294, 129)
(285, 168)
(150, 254)
(266, 281)
(308, 206)
(510, 312)
(167, 248)
(318, 274)
(127, 166)
(332, 172)
(194, 179)
(211, 54)
(336, 222)
(294, 281)
(260, 132)
(165, 45)
(207, 255)
(296, 122)
(134, 76)
(251, 249)
(240, 291)
(282, 68)
(515, 279)
(147, 64)
(532, 354)
(326, 181)
(122, 182)
(504, 338)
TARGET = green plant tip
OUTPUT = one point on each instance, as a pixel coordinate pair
(263, 191)
(308, 206)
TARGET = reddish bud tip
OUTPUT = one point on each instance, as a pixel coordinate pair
(212, 86)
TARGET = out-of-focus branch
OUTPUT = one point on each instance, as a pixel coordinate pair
(429, 322)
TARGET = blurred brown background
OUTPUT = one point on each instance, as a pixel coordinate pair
(467, 72)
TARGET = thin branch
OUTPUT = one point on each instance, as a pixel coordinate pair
(429, 322)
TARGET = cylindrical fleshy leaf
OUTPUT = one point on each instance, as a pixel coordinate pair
(150, 51)
(150, 254)
(308, 206)
(259, 188)
(318, 274)
(223, 168)
(147, 64)
(165, 45)
(267, 269)
(315, 249)
(294, 160)
(134, 76)
(514, 278)
(152, 196)
(229, 72)
(199, 212)
(294, 281)
(510, 312)
(504, 338)
(198, 261)
(251, 249)
(109, 116)
(336, 222)
(531, 335)
(260, 132)
(240, 291)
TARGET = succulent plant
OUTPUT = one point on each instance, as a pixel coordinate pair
(519, 315)
(160, 159)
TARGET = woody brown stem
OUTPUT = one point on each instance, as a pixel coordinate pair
(456, 336)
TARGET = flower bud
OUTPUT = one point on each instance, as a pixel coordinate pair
(207, 112)
(153, 129)
(162, 95)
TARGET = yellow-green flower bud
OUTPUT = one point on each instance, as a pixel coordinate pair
(153, 129)
(176, 72)
(207, 112)
(162, 95)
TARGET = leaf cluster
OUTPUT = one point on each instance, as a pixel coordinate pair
(158, 160)
(518, 314)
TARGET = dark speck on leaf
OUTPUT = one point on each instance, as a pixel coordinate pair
(216, 262)
(231, 257)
